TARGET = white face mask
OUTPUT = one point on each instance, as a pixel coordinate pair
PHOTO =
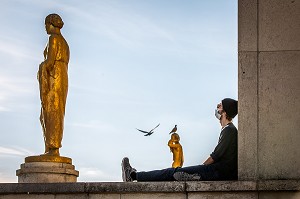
(217, 114)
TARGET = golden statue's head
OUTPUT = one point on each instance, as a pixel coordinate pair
(54, 20)
(175, 137)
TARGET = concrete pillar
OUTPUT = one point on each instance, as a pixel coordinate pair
(269, 89)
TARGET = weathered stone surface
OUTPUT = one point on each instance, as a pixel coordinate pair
(46, 172)
(279, 185)
(28, 196)
(269, 92)
(247, 25)
(279, 195)
(154, 196)
(145, 190)
(72, 196)
(248, 116)
(204, 186)
(121, 187)
(279, 97)
(104, 196)
(279, 27)
(148, 187)
(41, 188)
(222, 195)
(47, 165)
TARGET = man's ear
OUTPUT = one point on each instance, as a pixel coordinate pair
(225, 114)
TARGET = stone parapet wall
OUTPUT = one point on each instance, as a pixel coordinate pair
(144, 190)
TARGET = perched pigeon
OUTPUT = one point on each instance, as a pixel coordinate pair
(174, 129)
(150, 132)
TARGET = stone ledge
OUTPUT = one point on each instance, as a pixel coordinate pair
(263, 185)
(149, 187)
(140, 187)
(279, 185)
(221, 186)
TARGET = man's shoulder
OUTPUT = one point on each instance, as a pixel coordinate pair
(230, 128)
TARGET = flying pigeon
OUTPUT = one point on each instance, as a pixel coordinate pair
(150, 132)
(174, 129)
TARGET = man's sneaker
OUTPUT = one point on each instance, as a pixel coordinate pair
(127, 170)
(183, 176)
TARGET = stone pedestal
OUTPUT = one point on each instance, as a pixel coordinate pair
(47, 169)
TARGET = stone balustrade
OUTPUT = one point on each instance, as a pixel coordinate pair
(146, 190)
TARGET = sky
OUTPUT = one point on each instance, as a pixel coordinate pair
(134, 64)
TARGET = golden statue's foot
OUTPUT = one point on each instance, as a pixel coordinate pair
(54, 152)
(46, 150)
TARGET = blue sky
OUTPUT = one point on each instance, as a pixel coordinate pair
(133, 64)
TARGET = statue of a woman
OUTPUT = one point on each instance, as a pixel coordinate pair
(53, 82)
(176, 149)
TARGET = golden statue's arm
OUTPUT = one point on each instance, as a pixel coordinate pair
(52, 49)
(173, 144)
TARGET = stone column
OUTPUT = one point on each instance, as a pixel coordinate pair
(47, 169)
(269, 89)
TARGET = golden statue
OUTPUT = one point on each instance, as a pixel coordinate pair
(53, 83)
(176, 149)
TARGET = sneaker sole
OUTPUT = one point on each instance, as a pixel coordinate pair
(123, 169)
(182, 176)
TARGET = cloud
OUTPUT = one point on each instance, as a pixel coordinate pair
(4, 109)
(93, 124)
(15, 84)
(118, 23)
(17, 49)
(11, 89)
(5, 178)
(14, 151)
(95, 174)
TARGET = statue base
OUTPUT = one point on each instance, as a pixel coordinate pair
(47, 169)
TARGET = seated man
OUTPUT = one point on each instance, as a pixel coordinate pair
(220, 165)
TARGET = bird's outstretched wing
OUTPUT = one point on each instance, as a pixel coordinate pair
(146, 132)
(154, 127)
(142, 131)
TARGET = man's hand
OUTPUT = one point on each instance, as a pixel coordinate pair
(209, 161)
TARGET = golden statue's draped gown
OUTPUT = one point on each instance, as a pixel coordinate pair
(53, 82)
(176, 149)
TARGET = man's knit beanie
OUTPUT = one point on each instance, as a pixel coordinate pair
(230, 106)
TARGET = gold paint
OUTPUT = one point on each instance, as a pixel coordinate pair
(176, 149)
(53, 82)
(48, 158)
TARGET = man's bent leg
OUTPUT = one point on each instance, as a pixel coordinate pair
(156, 175)
(205, 172)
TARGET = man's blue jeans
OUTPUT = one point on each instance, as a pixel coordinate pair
(207, 172)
